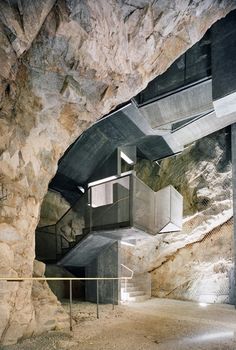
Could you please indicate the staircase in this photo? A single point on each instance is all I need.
(132, 292)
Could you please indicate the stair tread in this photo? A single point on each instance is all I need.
(138, 298)
(136, 293)
(130, 289)
(133, 291)
(130, 284)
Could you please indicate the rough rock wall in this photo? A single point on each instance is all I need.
(59, 225)
(45, 310)
(49, 314)
(69, 221)
(199, 271)
(52, 209)
(63, 64)
(196, 263)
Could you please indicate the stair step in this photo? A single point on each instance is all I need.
(138, 298)
(136, 293)
(129, 282)
(130, 289)
(128, 285)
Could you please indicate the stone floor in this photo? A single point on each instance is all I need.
(158, 324)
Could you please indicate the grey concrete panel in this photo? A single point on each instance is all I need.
(107, 167)
(192, 101)
(226, 105)
(154, 147)
(198, 129)
(86, 251)
(107, 264)
(143, 206)
(134, 114)
(127, 234)
(168, 210)
(223, 55)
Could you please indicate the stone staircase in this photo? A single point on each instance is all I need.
(132, 292)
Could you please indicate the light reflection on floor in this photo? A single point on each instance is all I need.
(203, 304)
(209, 337)
(204, 339)
(212, 326)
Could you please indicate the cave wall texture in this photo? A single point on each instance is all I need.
(64, 64)
(53, 207)
(196, 263)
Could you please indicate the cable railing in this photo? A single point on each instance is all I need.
(71, 279)
(127, 268)
(132, 274)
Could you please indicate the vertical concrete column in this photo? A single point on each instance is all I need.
(233, 150)
(223, 36)
(107, 264)
(223, 51)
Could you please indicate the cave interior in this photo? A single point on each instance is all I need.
(109, 206)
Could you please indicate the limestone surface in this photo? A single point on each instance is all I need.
(196, 263)
(54, 206)
(64, 64)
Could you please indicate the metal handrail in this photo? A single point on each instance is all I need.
(132, 273)
(21, 279)
(127, 268)
(70, 279)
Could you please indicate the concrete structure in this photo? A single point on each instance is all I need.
(128, 202)
(106, 264)
(136, 290)
(169, 210)
(233, 147)
(123, 209)
(188, 102)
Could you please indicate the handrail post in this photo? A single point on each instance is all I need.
(131, 200)
(71, 305)
(90, 209)
(113, 295)
(97, 299)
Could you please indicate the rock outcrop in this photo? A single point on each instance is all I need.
(201, 271)
(43, 313)
(196, 263)
(63, 65)
(54, 206)
(49, 314)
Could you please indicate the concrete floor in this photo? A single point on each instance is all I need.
(158, 324)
